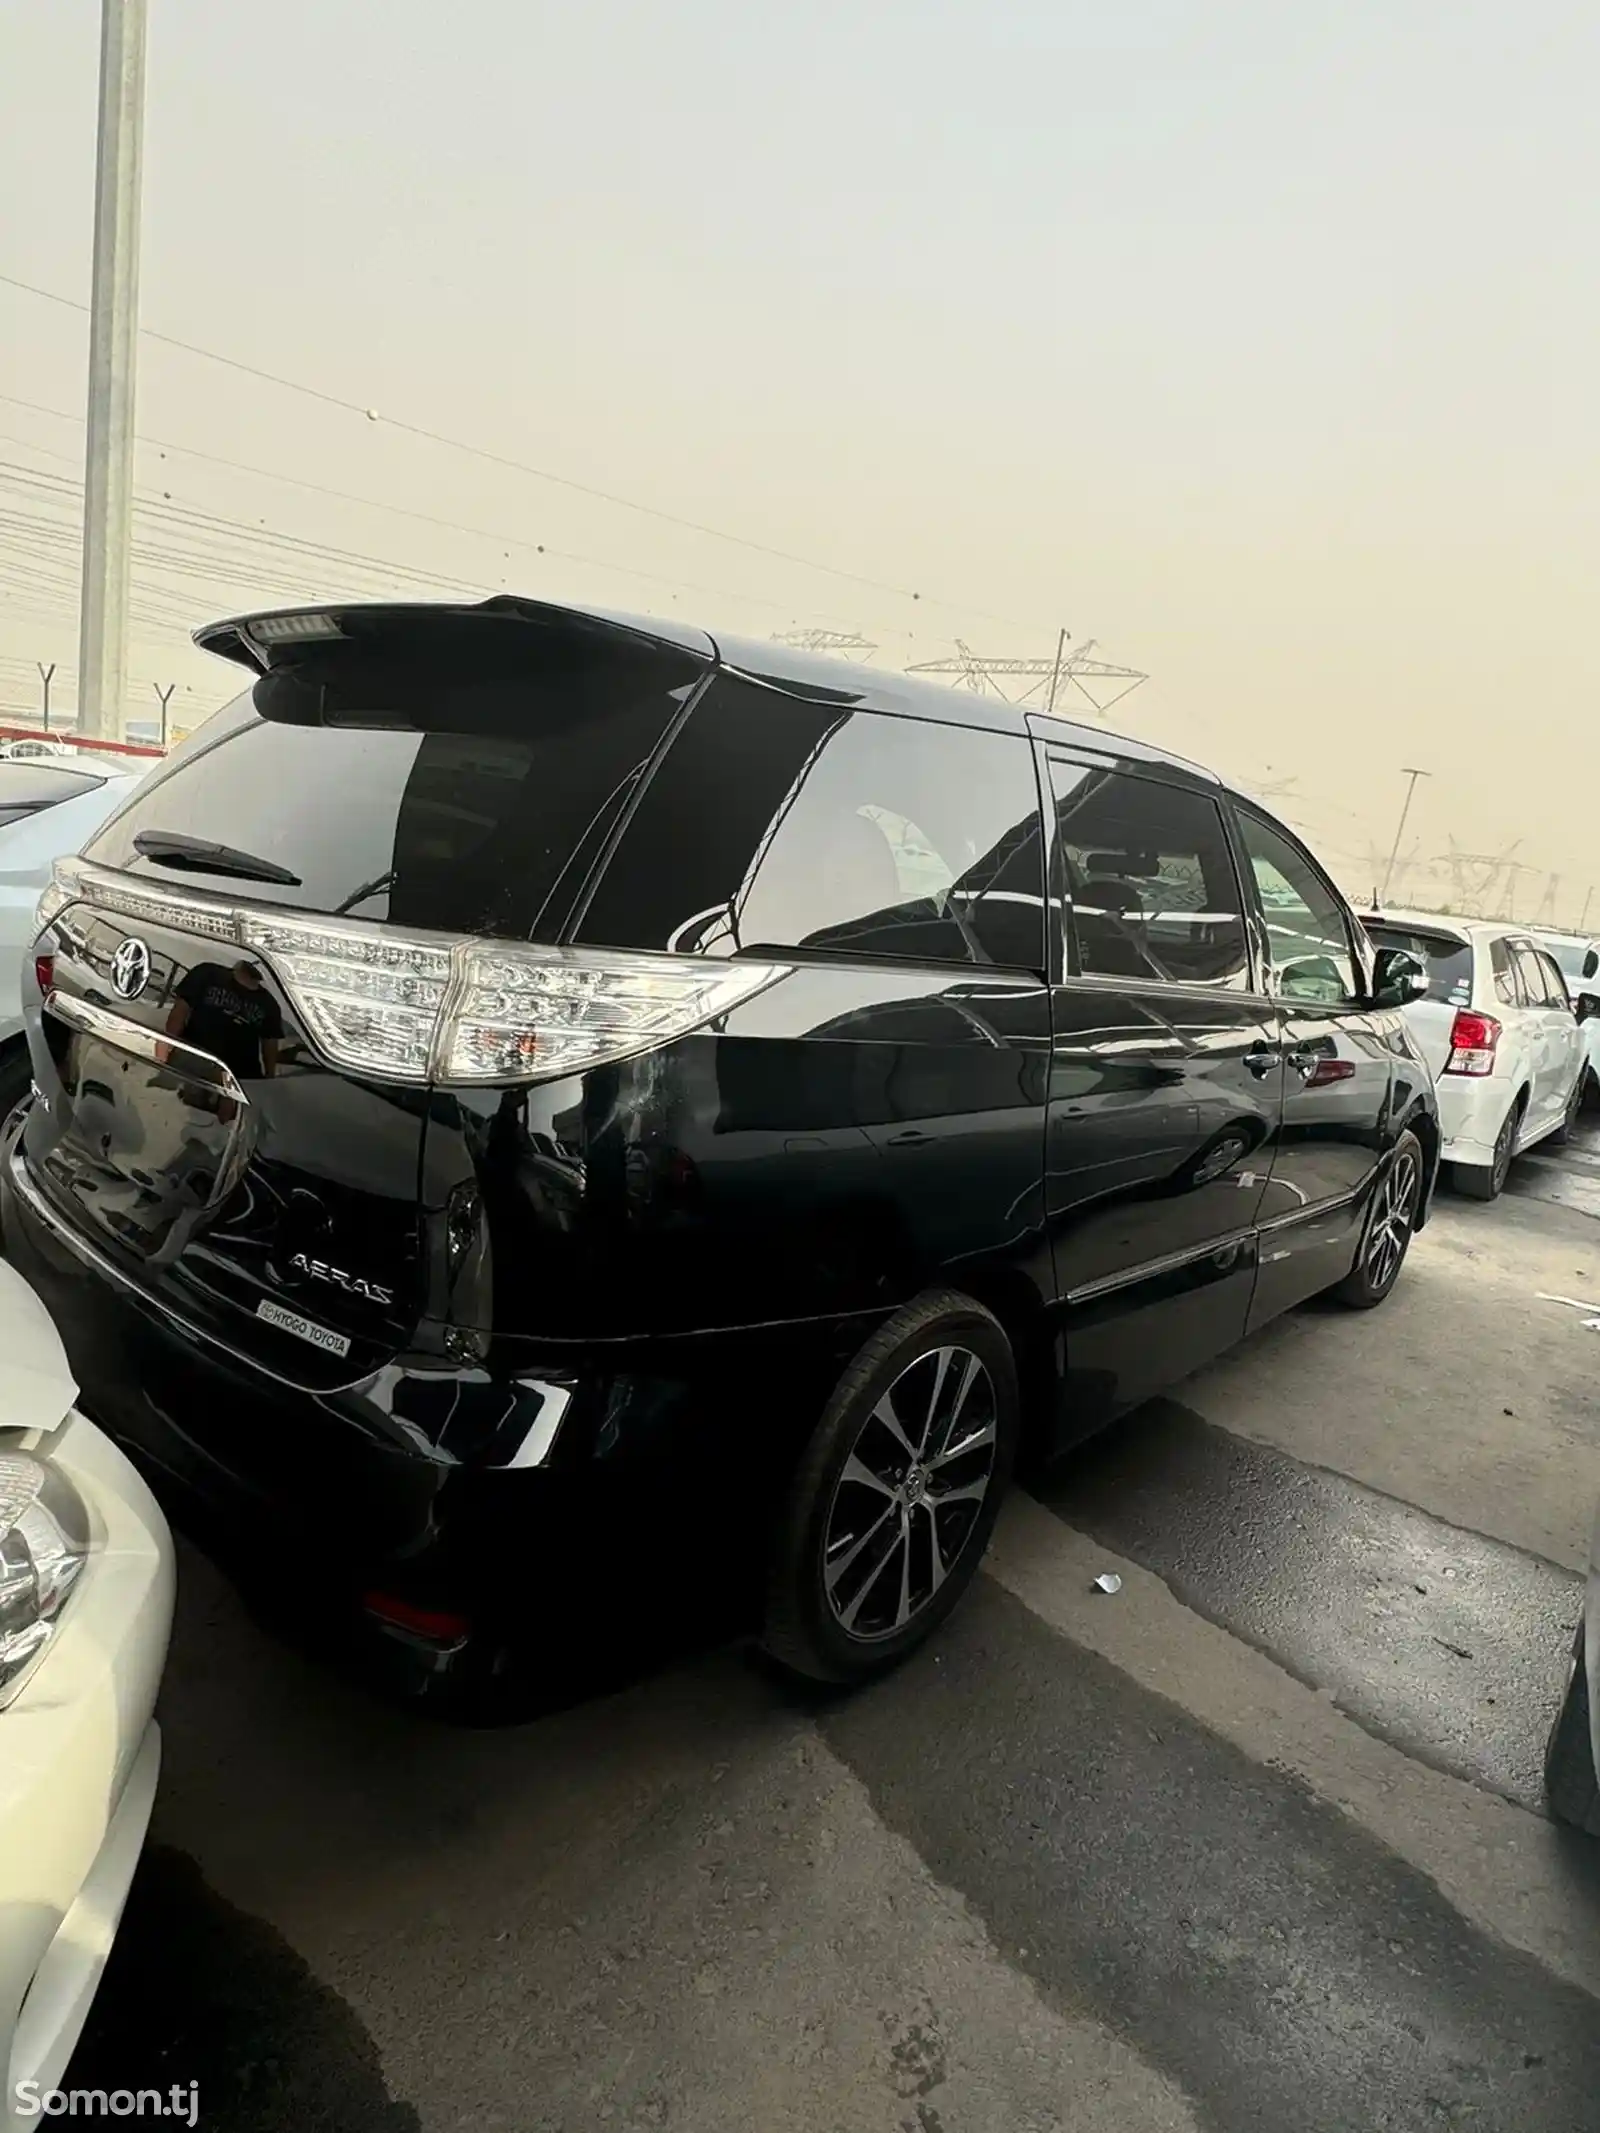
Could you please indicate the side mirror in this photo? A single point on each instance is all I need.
(1588, 1006)
(1397, 978)
(1591, 963)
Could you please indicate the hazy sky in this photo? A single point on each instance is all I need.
(1257, 341)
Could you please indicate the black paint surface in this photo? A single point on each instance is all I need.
(1451, 1646)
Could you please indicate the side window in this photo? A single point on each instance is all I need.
(777, 822)
(1152, 889)
(1555, 985)
(1507, 985)
(1308, 937)
(1535, 983)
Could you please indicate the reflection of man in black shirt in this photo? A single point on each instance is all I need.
(231, 1015)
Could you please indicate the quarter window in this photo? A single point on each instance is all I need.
(1507, 985)
(1537, 979)
(779, 822)
(1308, 937)
(1152, 889)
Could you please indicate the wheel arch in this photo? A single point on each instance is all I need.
(1016, 1303)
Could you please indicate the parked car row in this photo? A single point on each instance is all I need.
(1507, 1042)
(521, 1088)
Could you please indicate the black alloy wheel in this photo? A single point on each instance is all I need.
(1569, 1118)
(1391, 1222)
(896, 1494)
(1480, 1183)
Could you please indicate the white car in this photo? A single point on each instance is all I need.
(47, 809)
(1578, 955)
(86, 1585)
(1498, 1028)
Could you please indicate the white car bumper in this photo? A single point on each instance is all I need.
(79, 1755)
(1472, 1109)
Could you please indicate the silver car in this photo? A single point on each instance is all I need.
(1572, 1759)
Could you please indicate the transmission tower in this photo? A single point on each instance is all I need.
(1481, 881)
(845, 643)
(1056, 675)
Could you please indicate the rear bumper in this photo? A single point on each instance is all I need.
(540, 1489)
(81, 1761)
(1471, 1113)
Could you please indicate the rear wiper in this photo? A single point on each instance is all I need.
(169, 849)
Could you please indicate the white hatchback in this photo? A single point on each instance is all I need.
(86, 1586)
(1498, 1029)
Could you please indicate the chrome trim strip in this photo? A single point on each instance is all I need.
(1310, 1214)
(1169, 1263)
(143, 1043)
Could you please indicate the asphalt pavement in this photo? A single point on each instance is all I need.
(1255, 1845)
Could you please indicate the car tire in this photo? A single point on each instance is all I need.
(1569, 1118)
(875, 1543)
(1487, 1181)
(1571, 1783)
(1387, 1232)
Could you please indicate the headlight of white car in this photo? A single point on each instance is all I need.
(44, 1540)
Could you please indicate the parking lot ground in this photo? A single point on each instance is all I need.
(1253, 1845)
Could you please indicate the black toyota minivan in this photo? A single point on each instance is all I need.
(533, 1106)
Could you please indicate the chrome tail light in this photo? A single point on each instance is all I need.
(429, 1008)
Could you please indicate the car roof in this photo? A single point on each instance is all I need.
(1447, 926)
(817, 675)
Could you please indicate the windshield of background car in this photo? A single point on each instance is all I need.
(1447, 961)
(28, 787)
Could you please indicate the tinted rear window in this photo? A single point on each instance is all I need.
(1447, 962)
(780, 822)
(466, 789)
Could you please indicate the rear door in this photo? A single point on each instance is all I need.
(1563, 1034)
(1547, 1037)
(1340, 1059)
(1165, 1083)
(448, 781)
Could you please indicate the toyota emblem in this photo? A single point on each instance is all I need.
(130, 968)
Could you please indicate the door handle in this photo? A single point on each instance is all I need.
(1305, 1063)
(1262, 1061)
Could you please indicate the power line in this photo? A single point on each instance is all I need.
(518, 466)
(505, 541)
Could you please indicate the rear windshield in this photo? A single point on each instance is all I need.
(1447, 962)
(461, 786)
(27, 787)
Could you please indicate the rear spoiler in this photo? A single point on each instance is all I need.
(257, 640)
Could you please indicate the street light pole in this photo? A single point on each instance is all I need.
(45, 675)
(166, 697)
(113, 341)
(1400, 830)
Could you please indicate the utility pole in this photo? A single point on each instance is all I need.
(1400, 830)
(166, 698)
(1055, 671)
(45, 673)
(113, 344)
